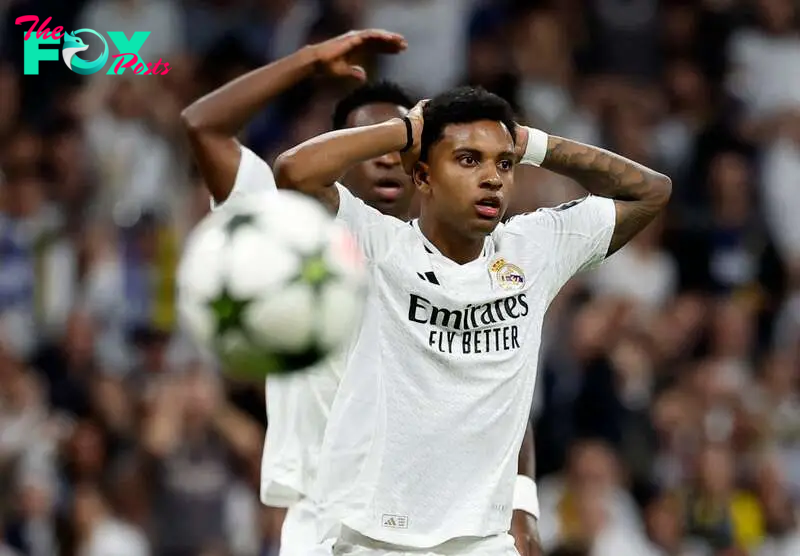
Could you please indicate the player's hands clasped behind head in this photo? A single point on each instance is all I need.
(411, 156)
(342, 56)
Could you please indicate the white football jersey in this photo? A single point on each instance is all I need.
(297, 404)
(425, 431)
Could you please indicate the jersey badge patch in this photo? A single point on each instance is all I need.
(508, 276)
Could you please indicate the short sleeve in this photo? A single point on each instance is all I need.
(254, 176)
(576, 234)
(373, 230)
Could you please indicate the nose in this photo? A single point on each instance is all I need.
(388, 161)
(492, 183)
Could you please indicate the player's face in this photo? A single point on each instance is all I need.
(469, 176)
(380, 182)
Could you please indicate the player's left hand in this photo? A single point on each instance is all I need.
(526, 534)
(521, 141)
(342, 56)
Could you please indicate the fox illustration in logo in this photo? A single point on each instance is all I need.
(74, 44)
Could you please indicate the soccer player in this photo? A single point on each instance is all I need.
(440, 379)
(383, 185)
(298, 404)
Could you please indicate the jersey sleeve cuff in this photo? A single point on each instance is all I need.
(526, 496)
(346, 202)
(253, 176)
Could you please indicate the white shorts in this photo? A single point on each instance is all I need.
(351, 543)
(300, 535)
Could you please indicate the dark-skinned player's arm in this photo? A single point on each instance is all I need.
(524, 523)
(314, 166)
(639, 193)
(214, 121)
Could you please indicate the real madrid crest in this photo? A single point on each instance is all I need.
(506, 275)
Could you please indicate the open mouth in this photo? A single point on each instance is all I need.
(389, 189)
(488, 207)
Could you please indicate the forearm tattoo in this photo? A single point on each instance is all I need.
(640, 193)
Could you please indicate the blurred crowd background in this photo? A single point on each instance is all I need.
(667, 414)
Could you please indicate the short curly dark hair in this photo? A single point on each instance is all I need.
(462, 105)
(378, 92)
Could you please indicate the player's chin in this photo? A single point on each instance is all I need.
(390, 207)
(386, 206)
(485, 225)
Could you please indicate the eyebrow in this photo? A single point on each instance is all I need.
(479, 154)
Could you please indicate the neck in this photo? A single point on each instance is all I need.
(451, 244)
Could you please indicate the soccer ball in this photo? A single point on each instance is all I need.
(270, 284)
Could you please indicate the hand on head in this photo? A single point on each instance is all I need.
(411, 156)
(520, 141)
(342, 56)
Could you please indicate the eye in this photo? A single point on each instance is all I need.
(468, 160)
(506, 165)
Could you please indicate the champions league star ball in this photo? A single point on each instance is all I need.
(271, 284)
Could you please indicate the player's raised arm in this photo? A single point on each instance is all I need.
(639, 193)
(213, 121)
(314, 166)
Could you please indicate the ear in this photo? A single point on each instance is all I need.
(421, 177)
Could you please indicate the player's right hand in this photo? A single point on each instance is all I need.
(342, 56)
(411, 156)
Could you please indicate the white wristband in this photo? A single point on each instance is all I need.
(526, 496)
(536, 149)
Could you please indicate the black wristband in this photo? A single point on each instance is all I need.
(409, 135)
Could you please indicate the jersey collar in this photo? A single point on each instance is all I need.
(431, 249)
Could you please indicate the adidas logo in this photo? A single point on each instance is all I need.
(392, 521)
(429, 277)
